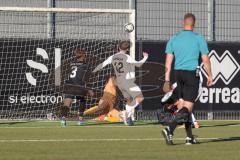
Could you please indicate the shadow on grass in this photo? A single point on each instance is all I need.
(220, 125)
(147, 123)
(14, 122)
(116, 124)
(99, 124)
(229, 139)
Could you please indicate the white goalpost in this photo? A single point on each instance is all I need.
(36, 46)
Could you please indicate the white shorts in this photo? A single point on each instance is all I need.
(129, 89)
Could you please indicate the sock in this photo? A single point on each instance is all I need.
(133, 115)
(130, 109)
(193, 118)
(81, 110)
(64, 111)
(91, 110)
(173, 125)
(188, 125)
(188, 128)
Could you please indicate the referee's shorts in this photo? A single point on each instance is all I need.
(187, 85)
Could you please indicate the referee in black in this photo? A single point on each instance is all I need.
(185, 47)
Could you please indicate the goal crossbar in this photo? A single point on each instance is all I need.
(66, 10)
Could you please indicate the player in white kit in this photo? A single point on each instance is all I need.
(124, 67)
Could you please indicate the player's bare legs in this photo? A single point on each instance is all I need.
(139, 99)
(188, 105)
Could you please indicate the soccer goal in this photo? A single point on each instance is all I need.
(36, 44)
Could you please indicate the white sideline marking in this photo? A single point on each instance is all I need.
(72, 126)
(104, 126)
(97, 140)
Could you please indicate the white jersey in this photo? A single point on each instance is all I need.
(123, 64)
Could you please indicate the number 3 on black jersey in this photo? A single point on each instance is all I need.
(74, 72)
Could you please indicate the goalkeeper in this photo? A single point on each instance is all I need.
(108, 100)
(77, 68)
(124, 67)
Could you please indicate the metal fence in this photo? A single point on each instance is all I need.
(159, 19)
(217, 20)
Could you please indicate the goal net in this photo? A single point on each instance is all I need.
(37, 43)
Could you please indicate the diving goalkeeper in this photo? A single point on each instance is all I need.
(108, 100)
(124, 67)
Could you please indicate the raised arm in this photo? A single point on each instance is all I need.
(138, 63)
(103, 64)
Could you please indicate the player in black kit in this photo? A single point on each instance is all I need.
(78, 69)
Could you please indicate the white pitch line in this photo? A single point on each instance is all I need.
(77, 140)
(149, 126)
(103, 126)
(97, 140)
(28, 127)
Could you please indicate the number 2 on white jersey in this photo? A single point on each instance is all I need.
(119, 67)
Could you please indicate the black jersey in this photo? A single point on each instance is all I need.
(76, 76)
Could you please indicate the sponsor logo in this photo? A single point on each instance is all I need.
(43, 68)
(224, 67)
(220, 95)
(42, 98)
(30, 99)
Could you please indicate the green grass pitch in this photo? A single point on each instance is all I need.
(219, 140)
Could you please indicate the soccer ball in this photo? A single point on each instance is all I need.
(128, 27)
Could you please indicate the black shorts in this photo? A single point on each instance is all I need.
(187, 85)
(79, 98)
